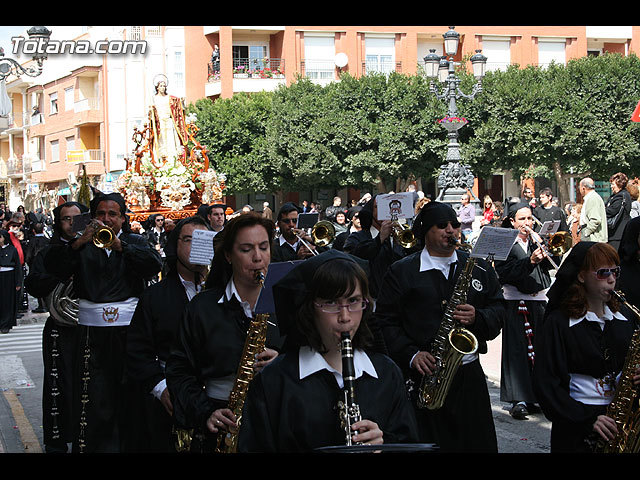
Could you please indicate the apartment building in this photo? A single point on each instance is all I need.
(83, 108)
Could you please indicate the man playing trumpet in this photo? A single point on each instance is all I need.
(108, 282)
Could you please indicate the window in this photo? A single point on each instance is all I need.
(319, 53)
(55, 151)
(178, 71)
(380, 55)
(498, 53)
(551, 51)
(53, 103)
(68, 98)
(248, 57)
(71, 143)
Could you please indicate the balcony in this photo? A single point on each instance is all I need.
(249, 68)
(318, 69)
(381, 66)
(87, 112)
(82, 156)
(15, 167)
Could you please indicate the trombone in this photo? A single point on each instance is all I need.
(322, 234)
(559, 244)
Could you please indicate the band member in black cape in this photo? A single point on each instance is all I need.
(203, 363)
(411, 304)
(581, 348)
(629, 252)
(525, 278)
(151, 333)
(59, 338)
(291, 405)
(11, 278)
(108, 283)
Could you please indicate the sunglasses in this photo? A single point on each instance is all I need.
(443, 225)
(603, 273)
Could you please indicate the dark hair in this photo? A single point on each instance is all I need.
(287, 208)
(620, 179)
(575, 300)
(221, 270)
(546, 191)
(171, 247)
(334, 279)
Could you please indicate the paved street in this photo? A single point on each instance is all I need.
(21, 384)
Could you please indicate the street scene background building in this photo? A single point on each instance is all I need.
(82, 109)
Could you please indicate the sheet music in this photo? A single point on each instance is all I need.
(494, 242)
(549, 227)
(201, 247)
(398, 205)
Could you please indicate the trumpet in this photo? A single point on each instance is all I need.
(403, 235)
(103, 237)
(560, 243)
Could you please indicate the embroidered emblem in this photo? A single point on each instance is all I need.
(110, 314)
(477, 284)
(606, 386)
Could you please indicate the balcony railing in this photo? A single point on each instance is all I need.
(382, 66)
(86, 104)
(249, 68)
(318, 69)
(77, 156)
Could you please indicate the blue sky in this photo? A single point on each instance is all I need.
(6, 32)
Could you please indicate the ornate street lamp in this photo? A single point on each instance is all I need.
(9, 66)
(455, 178)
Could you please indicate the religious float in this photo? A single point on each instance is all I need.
(168, 171)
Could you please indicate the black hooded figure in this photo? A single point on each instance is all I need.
(10, 277)
(411, 305)
(108, 283)
(291, 404)
(629, 252)
(58, 340)
(580, 351)
(525, 277)
(152, 330)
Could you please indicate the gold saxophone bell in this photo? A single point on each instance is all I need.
(403, 234)
(323, 233)
(103, 237)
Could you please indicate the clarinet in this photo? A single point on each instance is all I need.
(348, 409)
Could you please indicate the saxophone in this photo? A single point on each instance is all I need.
(452, 341)
(227, 441)
(348, 409)
(624, 406)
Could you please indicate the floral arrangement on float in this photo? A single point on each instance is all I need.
(179, 185)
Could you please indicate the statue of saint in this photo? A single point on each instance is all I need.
(168, 125)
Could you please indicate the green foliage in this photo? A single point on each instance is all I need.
(360, 131)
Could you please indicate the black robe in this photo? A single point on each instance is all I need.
(58, 357)
(209, 345)
(287, 415)
(409, 310)
(101, 278)
(9, 280)
(516, 365)
(563, 350)
(380, 255)
(153, 329)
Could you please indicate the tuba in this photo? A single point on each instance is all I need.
(227, 442)
(624, 408)
(103, 237)
(323, 233)
(63, 305)
(451, 343)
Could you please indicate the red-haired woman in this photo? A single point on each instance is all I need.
(581, 348)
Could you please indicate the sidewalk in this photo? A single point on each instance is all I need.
(490, 361)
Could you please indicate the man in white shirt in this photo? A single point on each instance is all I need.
(593, 217)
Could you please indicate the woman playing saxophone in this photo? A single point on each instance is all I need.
(203, 366)
(581, 348)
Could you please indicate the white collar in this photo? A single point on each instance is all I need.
(284, 240)
(190, 287)
(592, 317)
(230, 291)
(427, 262)
(310, 362)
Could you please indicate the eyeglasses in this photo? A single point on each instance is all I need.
(355, 306)
(603, 273)
(443, 225)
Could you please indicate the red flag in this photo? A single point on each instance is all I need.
(635, 116)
